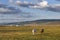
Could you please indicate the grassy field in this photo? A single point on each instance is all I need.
(24, 33)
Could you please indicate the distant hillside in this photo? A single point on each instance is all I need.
(45, 22)
(37, 22)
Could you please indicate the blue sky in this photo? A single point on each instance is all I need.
(50, 1)
(49, 11)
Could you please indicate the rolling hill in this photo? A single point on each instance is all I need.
(36, 22)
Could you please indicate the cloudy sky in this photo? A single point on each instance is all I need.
(28, 10)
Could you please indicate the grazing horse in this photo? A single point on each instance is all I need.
(33, 31)
(42, 31)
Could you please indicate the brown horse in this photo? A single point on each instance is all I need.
(42, 30)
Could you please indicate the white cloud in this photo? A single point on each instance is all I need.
(43, 4)
(4, 10)
(40, 5)
(10, 1)
(23, 4)
(18, 2)
(8, 9)
(26, 2)
(55, 8)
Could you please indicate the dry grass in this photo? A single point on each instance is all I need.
(24, 33)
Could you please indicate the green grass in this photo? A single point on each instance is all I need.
(24, 33)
